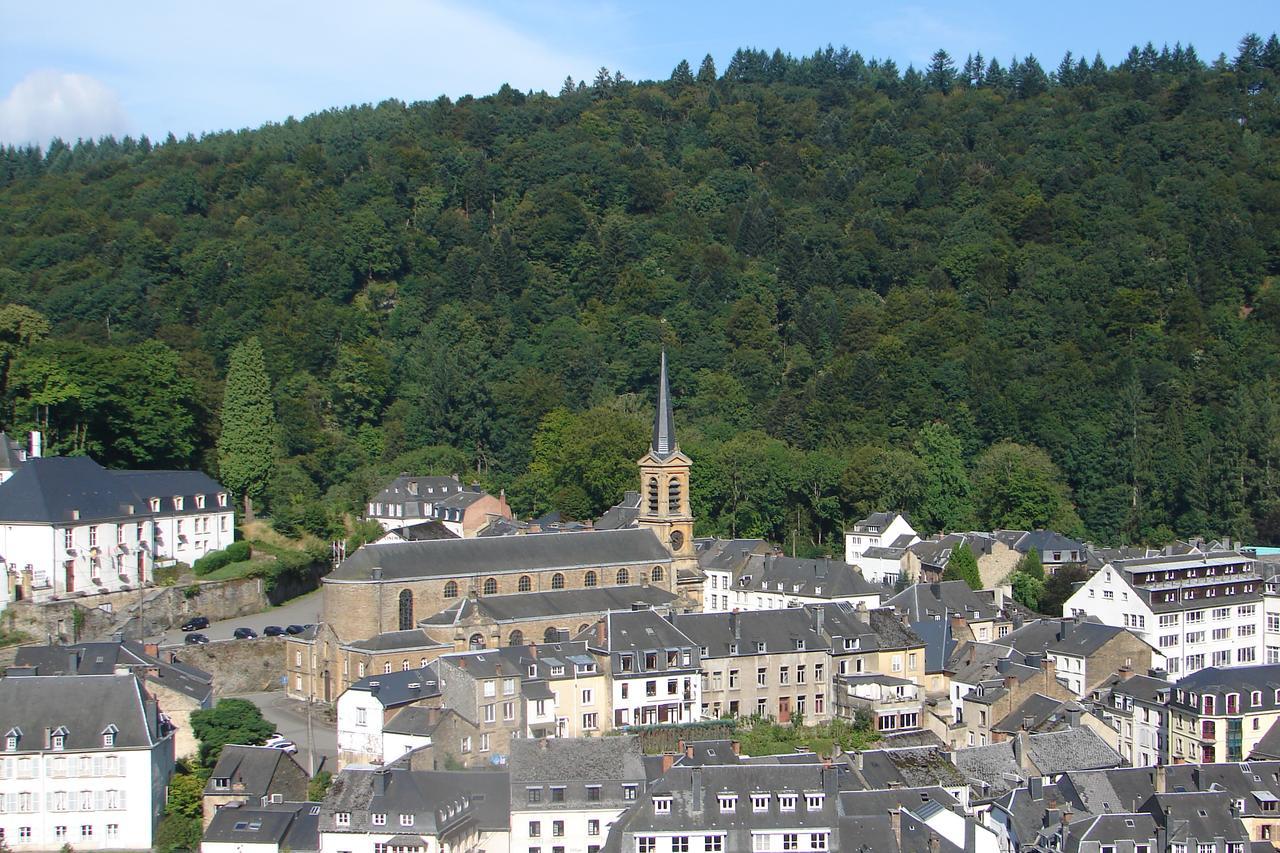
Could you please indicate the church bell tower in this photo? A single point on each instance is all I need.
(664, 482)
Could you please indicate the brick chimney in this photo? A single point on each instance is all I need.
(152, 649)
(895, 822)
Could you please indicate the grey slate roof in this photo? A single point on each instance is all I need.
(1037, 713)
(501, 554)
(909, 768)
(623, 514)
(390, 641)
(292, 826)
(439, 801)
(418, 721)
(542, 605)
(939, 642)
(1051, 753)
(598, 759)
(402, 687)
(103, 658)
(1234, 679)
(779, 630)
(1061, 636)
(83, 705)
(939, 600)
(50, 490)
(424, 531)
(728, 555)
(1268, 746)
(825, 578)
(638, 630)
(252, 767)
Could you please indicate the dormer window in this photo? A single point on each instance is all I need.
(342, 818)
(154, 504)
(177, 502)
(11, 738)
(406, 820)
(222, 499)
(813, 802)
(759, 802)
(799, 645)
(728, 803)
(662, 805)
(58, 742)
(199, 501)
(109, 736)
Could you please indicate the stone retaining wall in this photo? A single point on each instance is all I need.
(238, 666)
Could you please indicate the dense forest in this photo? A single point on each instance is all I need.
(987, 294)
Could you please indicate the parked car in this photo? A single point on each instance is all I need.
(245, 634)
(195, 639)
(287, 746)
(296, 629)
(275, 738)
(272, 631)
(195, 623)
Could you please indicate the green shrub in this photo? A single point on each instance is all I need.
(211, 562)
(238, 551)
(166, 576)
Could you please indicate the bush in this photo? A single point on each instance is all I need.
(211, 562)
(238, 551)
(166, 576)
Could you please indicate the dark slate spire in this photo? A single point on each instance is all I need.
(664, 423)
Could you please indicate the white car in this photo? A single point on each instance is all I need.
(287, 745)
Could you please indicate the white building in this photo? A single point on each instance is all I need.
(85, 762)
(566, 793)
(1196, 609)
(878, 530)
(366, 707)
(408, 499)
(654, 668)
(68, 525)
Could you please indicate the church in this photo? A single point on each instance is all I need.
(393, 605)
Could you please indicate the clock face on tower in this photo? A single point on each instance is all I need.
(677, 540)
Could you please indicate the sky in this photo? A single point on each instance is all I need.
(86, 69)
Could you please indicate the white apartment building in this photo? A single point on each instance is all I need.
(366, 707)
(1197, 609)
(69, 526)
(85, 762)
(653, 667)
(566, 793)
(878, 530)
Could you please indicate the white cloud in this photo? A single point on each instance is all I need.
(45, 104)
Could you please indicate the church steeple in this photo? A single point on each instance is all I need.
(664, 422)
(664, 481)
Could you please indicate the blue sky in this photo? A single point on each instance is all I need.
(89, 68)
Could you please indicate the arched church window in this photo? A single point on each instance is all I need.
(653, 495)
(624, 577)
(590, 579)
(656, 574)
(491, 586)
(525, 584)
(551, 635)
(557, 581)
(451, 589)
(673, 495)
(406, 610)
(516, 638)
(476, 641)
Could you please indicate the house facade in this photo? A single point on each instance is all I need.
(85, 762)
(878, 530)
(1198, 609)
(69, 526)
(654, 668)
(1220, 714)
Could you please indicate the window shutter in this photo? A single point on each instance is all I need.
(99, 800)
(52, 799)
(121, 804)
(97, 765)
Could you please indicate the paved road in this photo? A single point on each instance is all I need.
(290, 718)
(302, 610)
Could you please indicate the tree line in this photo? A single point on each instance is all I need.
(986, 293)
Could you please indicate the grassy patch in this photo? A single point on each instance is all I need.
(765, 737)
(231, 571)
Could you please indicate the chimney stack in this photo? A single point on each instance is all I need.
(895, 822)
(37, 441)
(1020, 744)
(695, 784)
(1160, 780)
(600, 633)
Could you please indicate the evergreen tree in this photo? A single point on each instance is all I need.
(707, 71)
(946, 504)
(567, 88)
(246, 445)
(963, 567)
(682, 75)
(942, 72)
(1031, 565)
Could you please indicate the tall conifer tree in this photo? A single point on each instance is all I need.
(246, 446)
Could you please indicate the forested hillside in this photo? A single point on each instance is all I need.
(988, 295)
